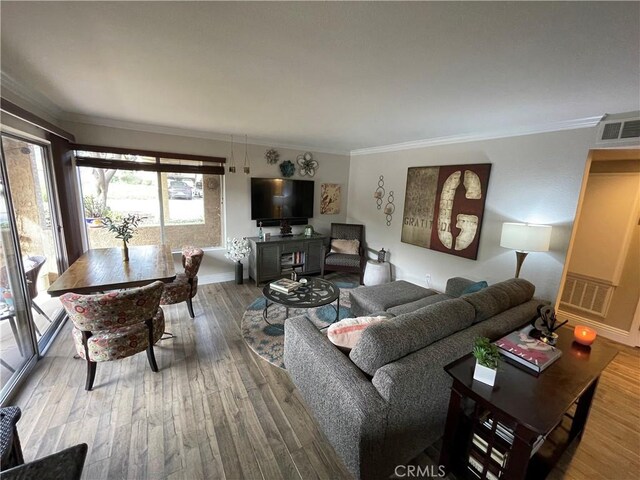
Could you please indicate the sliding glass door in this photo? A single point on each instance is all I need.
(32, 257)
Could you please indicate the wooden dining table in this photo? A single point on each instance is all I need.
(102, 269)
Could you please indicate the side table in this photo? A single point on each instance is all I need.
(377, 273)
(496, 431)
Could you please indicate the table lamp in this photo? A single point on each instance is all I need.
(525, 238)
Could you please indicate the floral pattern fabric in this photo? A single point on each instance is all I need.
(116, 321)
(191, 260)
(181, 289)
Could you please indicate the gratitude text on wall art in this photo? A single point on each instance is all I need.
(443, 208)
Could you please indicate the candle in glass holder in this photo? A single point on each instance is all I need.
(584, 335)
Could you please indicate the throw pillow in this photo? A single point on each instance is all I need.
(349, 247)
(346, 333)
(475, 287)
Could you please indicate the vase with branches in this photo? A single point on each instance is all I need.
(124, 228)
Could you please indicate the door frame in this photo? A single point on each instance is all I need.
(606, 154)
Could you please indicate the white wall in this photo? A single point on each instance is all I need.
(608, 219)
(534, 178)
(332, 169)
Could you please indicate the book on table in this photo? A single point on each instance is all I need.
(284, 285)
(530, 352)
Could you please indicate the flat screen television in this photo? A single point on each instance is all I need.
(275, 199)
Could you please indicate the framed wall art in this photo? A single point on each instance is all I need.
(444, 206)
(329, 198)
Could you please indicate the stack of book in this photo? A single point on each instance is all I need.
(284, 285)
(497, 454)
(530, 352)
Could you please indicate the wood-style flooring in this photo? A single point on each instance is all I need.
(216, 410)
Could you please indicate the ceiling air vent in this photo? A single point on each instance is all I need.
(619, 130)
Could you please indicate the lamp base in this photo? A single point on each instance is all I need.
(520, 256)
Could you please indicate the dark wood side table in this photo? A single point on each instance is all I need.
(555, 404)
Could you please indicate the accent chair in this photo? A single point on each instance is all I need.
(185, 285)
(115, 325)
(346, 252)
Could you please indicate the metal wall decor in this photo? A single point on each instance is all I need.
(272, 156)
(287, 168)
(307, 164)
(389, 208)
(379, 192)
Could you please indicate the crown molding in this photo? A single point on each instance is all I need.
(464, 138)
(185, 132)
(30, 99)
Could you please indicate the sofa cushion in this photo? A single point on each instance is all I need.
(423, 302)
(365, 300)
(386, 342)
(346, 333)
(499, 297)
(457, 285)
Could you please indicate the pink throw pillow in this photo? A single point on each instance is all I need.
(346, 333)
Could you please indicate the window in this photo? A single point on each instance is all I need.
(180, 199)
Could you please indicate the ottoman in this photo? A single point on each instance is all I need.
(378, 298)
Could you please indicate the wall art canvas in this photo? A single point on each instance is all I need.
(329, 198)
(444, 206)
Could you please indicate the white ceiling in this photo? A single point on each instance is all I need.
(335, 76)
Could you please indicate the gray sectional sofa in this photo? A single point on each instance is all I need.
(387, 401)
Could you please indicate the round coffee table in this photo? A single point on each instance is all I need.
(315, 293)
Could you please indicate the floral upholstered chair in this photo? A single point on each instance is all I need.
(115, 325)
(185, 285)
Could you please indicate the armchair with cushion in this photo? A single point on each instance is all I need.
(115, 325)
(346, 252)
(185, 285)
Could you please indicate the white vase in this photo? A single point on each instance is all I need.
(484, 374)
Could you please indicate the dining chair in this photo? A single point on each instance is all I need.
(115, 325)
(185, 285)
(346, 250)
(33, 265)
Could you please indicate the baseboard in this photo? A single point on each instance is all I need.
(607, 331)
(218, 278)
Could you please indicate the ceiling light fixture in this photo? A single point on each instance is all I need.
(247, 163)
(232, 161)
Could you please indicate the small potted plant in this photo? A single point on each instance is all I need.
(124, 229)
(487, 357)
(237, 249)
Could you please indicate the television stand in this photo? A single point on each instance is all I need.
(280, 255)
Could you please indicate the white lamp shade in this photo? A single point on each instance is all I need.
(525, 237)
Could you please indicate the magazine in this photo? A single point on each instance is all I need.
(530, 352)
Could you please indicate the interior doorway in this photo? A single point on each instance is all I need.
(601, 280)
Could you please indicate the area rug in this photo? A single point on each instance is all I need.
(267, 340)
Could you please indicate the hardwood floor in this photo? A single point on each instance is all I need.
(216, 410)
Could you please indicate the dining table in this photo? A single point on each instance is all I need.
(103, 269)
